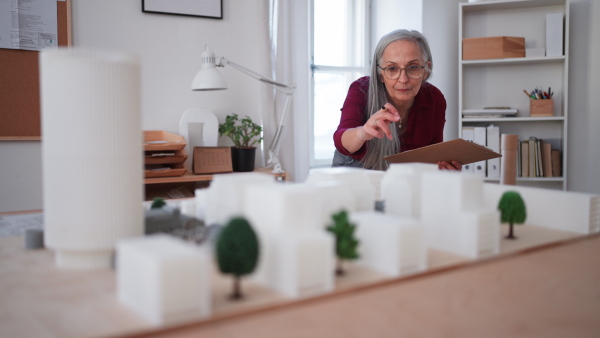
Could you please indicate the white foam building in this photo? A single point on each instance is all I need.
(164, 279)
(567, 211)
(225, 197)
(455, 217)
(361, 187)
(401, 188)
(297, 254)
(390, 244)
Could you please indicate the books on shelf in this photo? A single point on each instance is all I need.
(490, 112)
(539, 158)
(536, 157)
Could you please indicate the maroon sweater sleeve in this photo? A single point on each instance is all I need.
(353, 115)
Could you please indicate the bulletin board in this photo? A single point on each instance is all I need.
(20, 84)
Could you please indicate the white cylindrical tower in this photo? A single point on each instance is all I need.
(91, 153)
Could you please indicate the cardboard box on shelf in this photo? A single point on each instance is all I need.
(495, 47)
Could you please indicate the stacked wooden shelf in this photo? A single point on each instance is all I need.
(164, 154)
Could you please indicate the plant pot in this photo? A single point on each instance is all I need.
(242, 159)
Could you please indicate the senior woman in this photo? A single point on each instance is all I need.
(393, 110)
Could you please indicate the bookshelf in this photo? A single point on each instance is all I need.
(500, 82)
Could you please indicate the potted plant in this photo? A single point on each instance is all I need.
(244, 133)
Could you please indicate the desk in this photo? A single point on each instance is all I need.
(545, 284)
(164, 186)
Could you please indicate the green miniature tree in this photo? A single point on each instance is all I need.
(243, 134)
(157, 203)
(345, 242)
(237, 251)
(513, 210)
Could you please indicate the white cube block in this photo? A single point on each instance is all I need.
(281, 208)
(333, 197)
(225, 197)
(163, 279)
(390, 244)
(401, 188)
(451, 192)
(305, 264)
(375, 177)
(362, 189)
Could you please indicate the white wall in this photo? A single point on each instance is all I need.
(170, 47)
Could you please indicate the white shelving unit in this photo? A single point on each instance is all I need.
(500, 82)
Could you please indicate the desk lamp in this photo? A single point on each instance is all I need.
(208, 78)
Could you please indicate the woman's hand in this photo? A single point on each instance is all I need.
(378, 125)
(454, 165)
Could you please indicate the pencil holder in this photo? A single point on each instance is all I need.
(541, 108)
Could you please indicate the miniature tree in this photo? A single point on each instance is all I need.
(157, 203)
(237, 251)
(513, 210)
(345, 242)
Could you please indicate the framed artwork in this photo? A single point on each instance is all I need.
(202, 8)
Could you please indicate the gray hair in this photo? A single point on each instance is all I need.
(377, 148)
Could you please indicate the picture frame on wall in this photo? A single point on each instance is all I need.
(212, 9)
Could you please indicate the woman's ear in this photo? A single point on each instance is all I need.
(428, 71)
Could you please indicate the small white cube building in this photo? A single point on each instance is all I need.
(225, 196)
(355, 178)
(401, 188)
(164, 279)
(455, 217)
(390, 244)
(296, 252)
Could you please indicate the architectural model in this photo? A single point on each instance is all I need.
(91, 196)
(390, 244)
(296, 252)
(455, 217)
(164, 279)
(425, 208)
(401, 188)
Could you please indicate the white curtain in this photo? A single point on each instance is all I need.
(285, 27)
(278, 56)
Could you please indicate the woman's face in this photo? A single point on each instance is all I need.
(402, 54)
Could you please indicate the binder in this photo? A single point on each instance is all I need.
(525, 158)
(493, 142)
(554, 34)
(480, 138)
(468, 133)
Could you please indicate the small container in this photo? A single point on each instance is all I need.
(541, 108)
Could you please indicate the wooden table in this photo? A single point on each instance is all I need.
(188, 183)
(545, 284)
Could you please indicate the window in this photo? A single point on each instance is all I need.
(339, 56)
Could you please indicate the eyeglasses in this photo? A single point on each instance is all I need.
(412, 71)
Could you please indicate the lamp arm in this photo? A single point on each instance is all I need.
(288, 90)
(224, 61)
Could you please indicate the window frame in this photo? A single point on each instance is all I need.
(364, 69)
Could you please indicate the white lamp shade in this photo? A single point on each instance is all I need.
(209, 79)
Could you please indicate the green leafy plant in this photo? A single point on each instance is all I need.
(345, 243)
(157, 203)
(244, 133)
(237, 251)
(513, 210)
